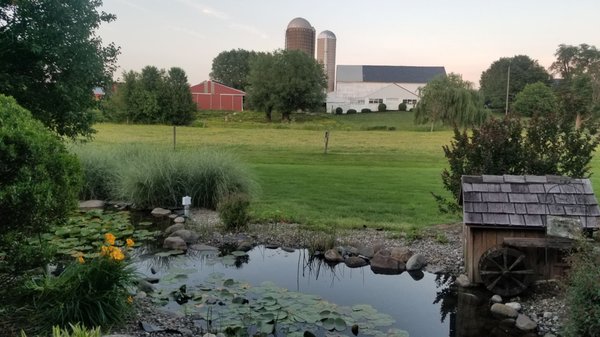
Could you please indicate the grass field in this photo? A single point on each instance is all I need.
(381, 179)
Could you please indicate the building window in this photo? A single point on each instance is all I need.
(409, 101)
(375, 100)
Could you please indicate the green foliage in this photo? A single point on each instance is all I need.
(152, 96)
(402, 107)
(52, 59)
(583, 293)
(382, 107)
(94, 293)
(232, 68)
(365, 110)
(339, 110)
(77, 330)
(99, 173)
(450, 100)
(39, 179)
(233, 210)
(546, 145)
(286, 81)
(536, 99)
(22, 255)
(523, 71)
(351, 111)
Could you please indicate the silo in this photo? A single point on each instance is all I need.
(326, 56)
(300, 35)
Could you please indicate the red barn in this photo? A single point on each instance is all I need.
(211, 95)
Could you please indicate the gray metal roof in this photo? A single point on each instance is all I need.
(388, 74)
(526, 201)
(300, 23)
(326, 34)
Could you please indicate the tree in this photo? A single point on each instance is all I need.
(232, 68)
(536, 99)
(51, 59)
(523, 71)
(579, 88)
(286, 81)
(181, 107)
(450, 100)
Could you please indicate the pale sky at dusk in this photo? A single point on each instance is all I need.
(464, 36)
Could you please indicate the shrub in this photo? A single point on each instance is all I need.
(381, 107)
(583, 293)
(39, 179)
(402, 107)
(351, 111)
(94, 292)
(536, 99)
(339, 110)
(233, 210)
(365, 110)
(99, 169)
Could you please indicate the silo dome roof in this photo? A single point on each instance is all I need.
(327, 34)
(299, 23)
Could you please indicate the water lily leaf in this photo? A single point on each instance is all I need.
(328, 324)
(340, 324)
(170, 253)
(238, 253)
(229, 282)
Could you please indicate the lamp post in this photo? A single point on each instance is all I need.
(186, 201)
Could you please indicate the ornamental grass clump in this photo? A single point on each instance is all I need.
(93, 292)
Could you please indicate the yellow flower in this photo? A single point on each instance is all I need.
(80, 259)
(116, 254)
(110, 239)
(129, 242)
(105, 250)
(129, 299)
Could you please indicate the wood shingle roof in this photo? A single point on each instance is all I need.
(526, 201)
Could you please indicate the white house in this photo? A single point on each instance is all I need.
(365, 86)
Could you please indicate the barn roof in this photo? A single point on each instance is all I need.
(527, 201)
(388, 74)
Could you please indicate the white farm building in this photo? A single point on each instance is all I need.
(365, 86)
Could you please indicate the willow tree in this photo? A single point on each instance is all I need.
(451, 101)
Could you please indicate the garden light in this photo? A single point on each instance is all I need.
(186, 201)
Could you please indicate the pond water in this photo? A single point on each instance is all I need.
(423, 304)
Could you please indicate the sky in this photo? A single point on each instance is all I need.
(464, 36)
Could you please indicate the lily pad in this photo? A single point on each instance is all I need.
(170, 253)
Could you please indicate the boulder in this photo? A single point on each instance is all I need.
(496, 299)
(174, 228)
(384, 263)
(515, 305)
(145, 286)
(416, 275)
(187, 235)
(288, 249)
(332, 255)
(524, 323)
(245, 246)
(179, 219)
(160, 212)
(463, 281)
(355, 262)
(401, 254)
(175, 243)
(501, 310)
(416, 262)
(91, 204)
(367, 252)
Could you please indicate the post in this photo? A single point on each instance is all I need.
(507, 86)
(326, 140)
(174, 137)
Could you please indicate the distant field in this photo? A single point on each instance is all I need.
(381, 179)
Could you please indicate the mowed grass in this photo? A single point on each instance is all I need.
(378, 179)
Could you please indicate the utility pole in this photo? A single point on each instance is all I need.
(507, 86)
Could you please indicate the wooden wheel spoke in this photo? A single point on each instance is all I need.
(521, 284)
(522, 272)
(519, 259)
(494, 262)
(490, 272)
(505, 258)
(504, 271)
(492, 285)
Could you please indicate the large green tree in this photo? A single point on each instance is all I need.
(180, 106)
(451, 101)
(51, 59)
(536, 99)
(579, 87)
(523, 71)
(232, 68)
(286, 81)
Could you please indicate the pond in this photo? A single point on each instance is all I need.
(422, 304)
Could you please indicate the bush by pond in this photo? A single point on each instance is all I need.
(151, 177)
(233, 211)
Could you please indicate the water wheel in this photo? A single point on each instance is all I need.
(504, 271)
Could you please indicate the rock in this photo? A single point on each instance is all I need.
(175, 243)
(160, 212)
(185, 332)
(174, 228)
(463, 281)
(91, 204)
(416, 262)
(332, 255)
(179, 219)
(469, 298)
(288, 249)
(515, 305)
(508, 322)
(271, 246)
(549, 335)
(245, 246)
(434, 269)
(173, 216)
(204, 248)
(367, 252)
(496, 299)
(501, 310)
(355, 262)
(141, 294)
(547, 314)
(402, 254)
(187, 235)
(416, 275)
(145, 286)
(525, 323)
(383, 263)
(152, 280)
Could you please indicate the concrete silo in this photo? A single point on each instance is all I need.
(326, 56)
(300, 35)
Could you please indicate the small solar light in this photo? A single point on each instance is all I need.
(186, 201)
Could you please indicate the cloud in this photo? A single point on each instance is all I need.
(249, 29)
(187, 31)
(214, 13)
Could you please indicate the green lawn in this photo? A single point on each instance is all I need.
(373, 178)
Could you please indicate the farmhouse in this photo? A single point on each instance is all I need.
(365, 86)
(211, 95)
